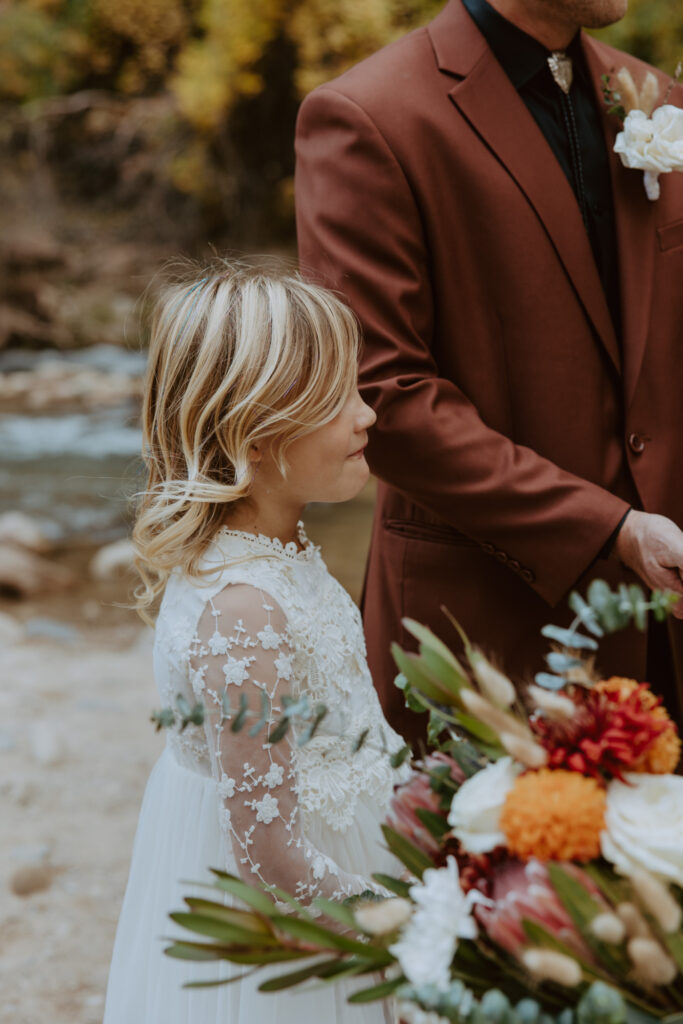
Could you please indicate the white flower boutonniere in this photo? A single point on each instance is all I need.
(652, 137)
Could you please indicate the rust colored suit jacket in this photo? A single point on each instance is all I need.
(514, 428)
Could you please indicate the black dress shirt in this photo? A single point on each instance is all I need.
(524, 60)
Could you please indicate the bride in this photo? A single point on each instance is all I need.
(251, 411)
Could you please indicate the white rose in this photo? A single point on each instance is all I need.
(652, 144)
(644, 825)
(476, 807)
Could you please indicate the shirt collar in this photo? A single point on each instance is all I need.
(520, 55)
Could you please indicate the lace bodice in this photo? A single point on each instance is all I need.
(269, 621)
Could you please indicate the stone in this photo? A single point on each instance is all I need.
(31, 878)
(18, 528)
(113, 561)
(24, 574)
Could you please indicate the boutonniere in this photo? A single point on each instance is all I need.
(652, 135)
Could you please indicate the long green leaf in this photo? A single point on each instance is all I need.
(540, 936)
(284, 981)
(193, 951)
(225, 932)
(265, 956)
(336, 911)
(315, 934)
(415, 860)
(476, 728)
(381, 991)
(217, 982)
(420, 678)
(435, 824)
(253, 897)
(431, 642)
(395, 885)
(232, 915)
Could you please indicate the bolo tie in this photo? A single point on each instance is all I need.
(561, 69)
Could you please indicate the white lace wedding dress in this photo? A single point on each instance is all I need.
(267, 622)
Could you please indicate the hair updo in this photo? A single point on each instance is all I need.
(238, 355)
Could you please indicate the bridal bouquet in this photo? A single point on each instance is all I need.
(542, 840)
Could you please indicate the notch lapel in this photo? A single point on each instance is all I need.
(636, 234)
(487, 99)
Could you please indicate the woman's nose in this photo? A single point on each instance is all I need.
(368, 417)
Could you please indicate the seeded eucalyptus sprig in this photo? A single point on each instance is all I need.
(603, 611)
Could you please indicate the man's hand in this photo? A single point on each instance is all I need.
(652, 546)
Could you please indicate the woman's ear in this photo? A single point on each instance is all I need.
(255, 453)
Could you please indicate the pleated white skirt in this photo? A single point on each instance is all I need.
(178, 839)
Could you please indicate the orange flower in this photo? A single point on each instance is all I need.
(554, 815)
(664, 753)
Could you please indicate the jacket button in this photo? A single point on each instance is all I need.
(514, 564)
(501, 556)
(527, 575)
(636, 443)
(488, 548)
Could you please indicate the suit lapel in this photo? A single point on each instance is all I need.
(636, 235)
(488, 100)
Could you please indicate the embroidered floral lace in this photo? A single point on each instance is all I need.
(272, 622)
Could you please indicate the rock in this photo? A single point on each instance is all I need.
(114, 561)
(47, 743)
(53, 630)
(23, 573)
(11, 631)
(18, 528)
(31, 878)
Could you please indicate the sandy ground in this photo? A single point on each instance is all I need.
(76, 747)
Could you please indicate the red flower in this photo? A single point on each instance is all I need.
(608, 734)
(418, 794)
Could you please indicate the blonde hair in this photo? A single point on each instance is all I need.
(238, 355)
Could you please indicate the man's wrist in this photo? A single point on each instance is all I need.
(608, 547)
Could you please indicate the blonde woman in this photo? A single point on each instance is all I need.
(251, 411)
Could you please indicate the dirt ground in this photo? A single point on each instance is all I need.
(76, 747)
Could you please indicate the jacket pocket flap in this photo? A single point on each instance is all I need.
(671, 236)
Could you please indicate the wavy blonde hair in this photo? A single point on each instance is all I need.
(239, 354)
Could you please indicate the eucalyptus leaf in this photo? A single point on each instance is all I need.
(585, 614)
(400, 756)
(549, 682)
(570, 638)
(358, 743)
(240, 718)
(559, 662)
(280, 731)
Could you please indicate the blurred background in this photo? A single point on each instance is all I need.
(130, 131)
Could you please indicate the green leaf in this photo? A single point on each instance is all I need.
(315, 934)
(435, 824)
(395, 885)
(280, 731)
(217, 981)
(420, 678)
(478, 729)
(381, 991)
(164, 718)
(358, 743)
(263, 719)
(336, 911)
(540, 936)
(570, 638)
(253, 897)
(674, 943)
(607, 606)
(585, 614)
(231, 915)
(320, 713)
(238, 721)
(284, 981)
(413, 859)
(559, 662)
(582, 907)
(549, 682)
(263, 957)
(224, 931)
(431, 642)
(193, 951)
(400, 756)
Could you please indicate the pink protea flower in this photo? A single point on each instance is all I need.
(524, 890)
(417, 793)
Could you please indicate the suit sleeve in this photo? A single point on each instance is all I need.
(360, 233)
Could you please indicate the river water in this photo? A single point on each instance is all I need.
(73, 471)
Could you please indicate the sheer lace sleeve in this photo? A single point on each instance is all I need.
(243, 646)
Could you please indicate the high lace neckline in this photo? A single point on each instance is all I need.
(273, 545)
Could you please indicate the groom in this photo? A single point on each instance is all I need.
(522, 307)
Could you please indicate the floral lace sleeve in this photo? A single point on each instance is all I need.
(243, 647)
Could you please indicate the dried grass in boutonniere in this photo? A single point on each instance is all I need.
(652, 136)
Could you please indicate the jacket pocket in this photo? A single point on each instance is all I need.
(433, 532)
(671, 236)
